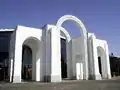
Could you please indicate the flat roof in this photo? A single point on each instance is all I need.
(2, 30)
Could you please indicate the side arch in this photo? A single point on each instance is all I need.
(101, 61)
(34, 43)
(31, 41)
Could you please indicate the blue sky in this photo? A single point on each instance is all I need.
(99, 16)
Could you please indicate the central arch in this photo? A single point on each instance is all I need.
(83, 36)
(74, 19)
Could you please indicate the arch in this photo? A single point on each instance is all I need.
(101, 60)
(30, 41)
(65, 32)
(83, 39)
(34, 44)
(26, 63)
(77, 21)
(100, 51)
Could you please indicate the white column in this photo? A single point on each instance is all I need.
(79, 71)
(90, 59)
(85, 58)
(55, 55)
(39, 66)
(69, 60)
(17, 61)
(36, 64)
(33, 65)
(107, 61)
(48, 55)
(103, 64)
(11, 55)
(96, 75)
(10, 69)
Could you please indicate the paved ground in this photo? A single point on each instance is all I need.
(113, 84)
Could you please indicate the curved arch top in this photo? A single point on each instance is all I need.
(100, 50)
(77, 21)
(31, 38)
(67, 35)
(32, 42)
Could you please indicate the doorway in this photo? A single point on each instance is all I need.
(26, 63)
(63, 59)
(99, 64)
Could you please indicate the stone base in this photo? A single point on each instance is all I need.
(55, 78)
(16, 79)
(108, 76)
(85, 77)
(73, 78)
(70, 77)
(95, 77)
(47, 78)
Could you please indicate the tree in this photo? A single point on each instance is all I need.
(111, 54)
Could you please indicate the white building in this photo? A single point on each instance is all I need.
(84, 57)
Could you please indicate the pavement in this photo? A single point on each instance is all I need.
(113, 84)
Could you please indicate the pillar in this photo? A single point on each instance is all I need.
(36, 75)
(79, 70)
(85, 57)
(55, 55)
(17, 61)
(107, 61)
(69, 60)
(96, 74)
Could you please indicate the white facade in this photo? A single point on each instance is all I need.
(82, 53)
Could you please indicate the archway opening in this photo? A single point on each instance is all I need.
(82, 34)
(99, 63)
(30, 60)
(26, 63)
(63, 59)
(70, 26)
(66, 62)
(65, 52)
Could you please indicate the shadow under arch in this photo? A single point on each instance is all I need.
(31, 46)
(66, 63)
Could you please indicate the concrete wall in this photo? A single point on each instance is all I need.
(78, 54)
(23, 34)
(47, 54)
(102, 51)
(97, 48)
(53, 53)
